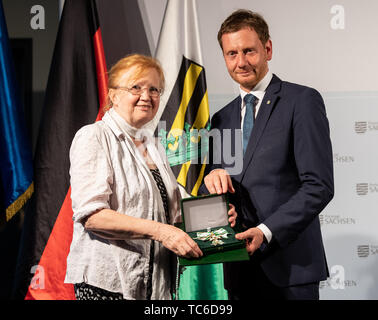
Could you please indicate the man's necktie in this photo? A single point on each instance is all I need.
(249, 100)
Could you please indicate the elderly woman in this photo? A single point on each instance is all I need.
(124, 195)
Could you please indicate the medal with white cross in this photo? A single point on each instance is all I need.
(214, 236)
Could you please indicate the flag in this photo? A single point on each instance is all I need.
(16, 156)
(75, 93)
(183, 115)
(16, 166)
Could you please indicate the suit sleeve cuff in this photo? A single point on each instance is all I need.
(265, 230)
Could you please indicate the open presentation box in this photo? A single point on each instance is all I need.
(205, 219)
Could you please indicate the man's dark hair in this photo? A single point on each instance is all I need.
(241, 19)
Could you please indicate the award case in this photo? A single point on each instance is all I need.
(206, 216)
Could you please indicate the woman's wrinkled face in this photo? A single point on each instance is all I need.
(137, 108)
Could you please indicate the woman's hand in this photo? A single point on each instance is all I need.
(178, 241)
(232, 215)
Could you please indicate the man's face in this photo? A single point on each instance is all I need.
(246, 57)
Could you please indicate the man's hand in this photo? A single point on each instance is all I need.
(254, 238)
(219, 181)
(232, 215)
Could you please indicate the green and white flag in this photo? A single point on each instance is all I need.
(184, 119)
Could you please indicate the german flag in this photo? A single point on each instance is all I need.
(75, 94)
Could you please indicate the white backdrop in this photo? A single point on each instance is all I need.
(331, 46)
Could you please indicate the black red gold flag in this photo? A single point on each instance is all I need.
(75, 93)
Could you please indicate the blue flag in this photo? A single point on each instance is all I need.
(16, 166)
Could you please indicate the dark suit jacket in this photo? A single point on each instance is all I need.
(285, 182)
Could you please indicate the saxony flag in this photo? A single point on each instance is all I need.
(184, 120)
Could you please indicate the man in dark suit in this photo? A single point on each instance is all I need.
(287, 175)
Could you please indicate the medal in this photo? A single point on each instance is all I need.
(214, 236)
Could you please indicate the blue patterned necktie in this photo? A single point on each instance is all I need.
(249, 100)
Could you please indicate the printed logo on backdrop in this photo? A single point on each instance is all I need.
(337, 280)
(338, 158)
(326, 219)
(363, 189)
(365, 250)
(361, 127)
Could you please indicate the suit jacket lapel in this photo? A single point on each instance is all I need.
(235, 122)
(266, 108)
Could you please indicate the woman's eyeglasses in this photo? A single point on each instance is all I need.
(138, 91)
